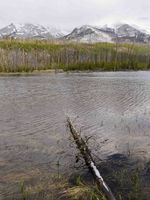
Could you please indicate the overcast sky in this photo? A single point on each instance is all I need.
(67, 14)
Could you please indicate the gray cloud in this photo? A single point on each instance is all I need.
(69, 13)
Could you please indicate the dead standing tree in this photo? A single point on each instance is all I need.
(86, 154)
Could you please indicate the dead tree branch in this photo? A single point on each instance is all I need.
(86, 154)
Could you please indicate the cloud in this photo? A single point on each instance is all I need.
(70, 13)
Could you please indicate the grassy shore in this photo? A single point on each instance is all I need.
(31, 73)
(30, 56)
(129, 180)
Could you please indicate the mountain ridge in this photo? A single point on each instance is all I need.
(86, 33)
(28, 30)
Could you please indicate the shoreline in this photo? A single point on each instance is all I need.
(33, 73)
(126, 177)
(45, 72)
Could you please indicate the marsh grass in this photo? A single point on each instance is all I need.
(124, 177)
(30, 55)
(60, 188)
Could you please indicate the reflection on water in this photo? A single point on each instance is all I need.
(114, 106)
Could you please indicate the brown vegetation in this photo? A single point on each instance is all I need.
(28, 55)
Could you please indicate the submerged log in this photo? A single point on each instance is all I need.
(87, 156)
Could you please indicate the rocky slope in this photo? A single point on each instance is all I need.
(29, 31)
(127, 33)
(121, 33)
(91, 34)
(86, 33)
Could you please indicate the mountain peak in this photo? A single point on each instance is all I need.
(86, 33)
(28, 30)
(8, 30)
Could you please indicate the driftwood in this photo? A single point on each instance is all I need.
(86, 154)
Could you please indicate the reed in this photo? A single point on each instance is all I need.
(30, 55)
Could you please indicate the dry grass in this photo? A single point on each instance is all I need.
(28, 55)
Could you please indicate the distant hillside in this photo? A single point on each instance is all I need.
(30, 31)
(123, 33)
(91, 34)
(85, 34)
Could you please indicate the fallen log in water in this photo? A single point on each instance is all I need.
(86, 154)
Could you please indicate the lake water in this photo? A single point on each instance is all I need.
(112, 107)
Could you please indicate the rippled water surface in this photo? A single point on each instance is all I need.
(108, 106)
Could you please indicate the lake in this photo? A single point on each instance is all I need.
(111, 107)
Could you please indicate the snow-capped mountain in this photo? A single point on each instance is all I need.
(121, 33)
(128, 33)
(9, 30)
(91, 34)
(86, 33)
(30, 31)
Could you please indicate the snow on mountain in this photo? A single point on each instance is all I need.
(85, 34)
(90, 34)
(9, 30)
(28, 30)
(121, 33)
(56, 33)
(126, 32)
(32, 31)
